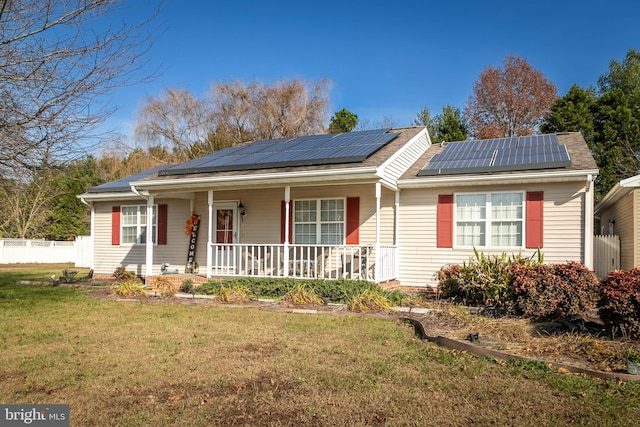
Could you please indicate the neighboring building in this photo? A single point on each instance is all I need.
(382, 205)
(619, 212)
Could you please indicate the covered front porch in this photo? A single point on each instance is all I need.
(362, 262)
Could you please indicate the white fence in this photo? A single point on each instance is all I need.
(15, 251)
(606, 254)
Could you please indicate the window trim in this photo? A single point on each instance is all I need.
(488, 220)
(154, 226)
(318, 221)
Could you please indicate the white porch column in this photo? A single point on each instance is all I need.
(93, 238)
(588, 223)
(149, 237)
(376, 268)
(210, 233)
(287, 220)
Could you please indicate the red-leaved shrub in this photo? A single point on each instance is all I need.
(619, 305)
(553, 291)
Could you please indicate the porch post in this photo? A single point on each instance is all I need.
(376, 267)
(287, 219)
(149, 244)
(396, 231)
(209, 233)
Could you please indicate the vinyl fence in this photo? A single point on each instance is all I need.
(606, 254)
(79, 252)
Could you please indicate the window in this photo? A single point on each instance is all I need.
(489, 219)
(134, 225)
(319, 221)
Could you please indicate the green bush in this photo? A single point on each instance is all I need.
(553, 291)
(619, 304)
(337, 291)
(187, 286)
(485, 280)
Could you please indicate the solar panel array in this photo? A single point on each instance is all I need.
(499, 155)
(299, 151)
(124, 184)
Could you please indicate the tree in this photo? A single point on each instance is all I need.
(572, 112)
(609, 119)
(175, 119)
(233, 113)
(343, 121)
(251, 111)
(509, 101)
(57, 61)
(448, 126)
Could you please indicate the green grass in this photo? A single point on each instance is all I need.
(138, 364)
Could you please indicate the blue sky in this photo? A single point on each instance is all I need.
(385, 58)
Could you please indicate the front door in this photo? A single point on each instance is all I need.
(226, 234)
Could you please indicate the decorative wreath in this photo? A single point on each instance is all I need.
(192, 224)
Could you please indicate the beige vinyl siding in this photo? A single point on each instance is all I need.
(625, 227)
(420, 258)
(108, 257)
(262, 223)
(407, 157)
(636, 229)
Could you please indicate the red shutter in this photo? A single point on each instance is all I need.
(353, 221)
(115, 225)
(445, 221)
(283, 207)
(162, 224)
(535, 223)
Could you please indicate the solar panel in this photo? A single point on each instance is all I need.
(285, 152)
(124, 184)
(499, 155)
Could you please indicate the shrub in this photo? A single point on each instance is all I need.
(619, 304)
(166, 287)
(233, 294)
(301, 295)
(552, 291)
(484, 280)
(129, 289)
(187, 286)
(122, 275)
(370, 300)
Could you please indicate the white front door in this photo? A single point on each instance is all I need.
(226, 234)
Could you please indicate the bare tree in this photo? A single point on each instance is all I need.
(176, 120)
(58, 59)
(508, 101)
(250, 111)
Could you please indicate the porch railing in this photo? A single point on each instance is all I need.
(305, 261)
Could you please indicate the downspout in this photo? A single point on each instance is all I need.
(376, 267)
(588, 223)
(396, 231)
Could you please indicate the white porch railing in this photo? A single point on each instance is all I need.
(305, 261)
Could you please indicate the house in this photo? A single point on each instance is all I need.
(381, 205)
(619, 212)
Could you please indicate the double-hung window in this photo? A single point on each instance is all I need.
(134, 224)
(494, 220)
(320, 221)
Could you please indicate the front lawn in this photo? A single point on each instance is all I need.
(139, 364)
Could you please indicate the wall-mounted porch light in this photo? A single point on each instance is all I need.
(241, 210)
